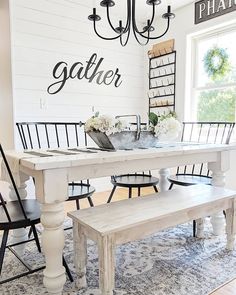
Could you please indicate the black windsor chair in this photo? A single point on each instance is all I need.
(15, 215)
(49, 135)
(134, 180)
(130, 181)
(200, 132)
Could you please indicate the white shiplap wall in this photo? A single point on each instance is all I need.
(48, 31)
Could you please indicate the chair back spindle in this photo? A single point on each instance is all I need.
(47, 135)
(204, 132)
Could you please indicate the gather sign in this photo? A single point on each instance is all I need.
(90, 71)
(208, 9)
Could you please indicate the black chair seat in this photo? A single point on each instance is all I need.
(79, 191)
(134, 180)
(186, 180)
(32, 210)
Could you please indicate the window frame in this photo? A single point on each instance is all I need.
(194, 89)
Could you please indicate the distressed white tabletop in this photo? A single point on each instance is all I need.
(82, 159)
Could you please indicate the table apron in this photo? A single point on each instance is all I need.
(130, 166)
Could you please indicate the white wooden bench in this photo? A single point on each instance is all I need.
(125, 221)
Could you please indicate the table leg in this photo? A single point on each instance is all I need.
(52, 218)
(200, 227)
(218, 169)
(106, 250)
(80, 254)
(164, 183)
(231, 226)
(218, 219)
(21, 234)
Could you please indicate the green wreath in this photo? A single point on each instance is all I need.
(216, 63)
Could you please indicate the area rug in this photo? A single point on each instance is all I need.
(170, 262)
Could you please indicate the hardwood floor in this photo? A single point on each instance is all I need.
(122, 194)
(227, 289)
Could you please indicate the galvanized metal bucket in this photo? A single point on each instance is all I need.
(124, 140)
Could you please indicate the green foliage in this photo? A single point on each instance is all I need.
(217, 105)
(216, 63)
(153, 118)
(168, 115)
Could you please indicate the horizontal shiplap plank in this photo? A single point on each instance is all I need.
(51, 57)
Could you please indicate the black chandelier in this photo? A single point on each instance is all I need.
(123, 32)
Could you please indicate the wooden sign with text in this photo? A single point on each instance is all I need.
(208, 9)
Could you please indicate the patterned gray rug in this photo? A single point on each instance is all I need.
(170, 262)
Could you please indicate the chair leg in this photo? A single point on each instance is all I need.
(111, 194)
(90, 202)
(36, 237)
(171, 186)
(77, 204)
(3, 248)
(155, 189)
(130, 192)
(139, 191)
(30, 232)
(67, 269)
(194, 228)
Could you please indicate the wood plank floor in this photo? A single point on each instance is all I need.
(227, 289)
(121, 194)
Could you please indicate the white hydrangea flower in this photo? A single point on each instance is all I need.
(105, 124)
(168, 129)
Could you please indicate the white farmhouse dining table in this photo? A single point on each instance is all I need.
(53, 173)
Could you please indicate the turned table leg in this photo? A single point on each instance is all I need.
(51, 191)
(218, 219)
(80, 254)
(231, 226)
(164, 183)
(106, 252)
(200, 227)
(52, 218)
(218, 169)
(21, 234)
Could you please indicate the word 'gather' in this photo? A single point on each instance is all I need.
(91, 72)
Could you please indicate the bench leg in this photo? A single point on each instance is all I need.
(106, 250)
(231, 226)
(200, 228)
(80, 254)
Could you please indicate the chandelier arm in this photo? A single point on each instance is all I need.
(109, 20)
(157, 37)
(127, 38)
(104, 38)
(134, 19)
(137, 39)
(127, 20)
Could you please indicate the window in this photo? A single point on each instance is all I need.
(214, 99)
